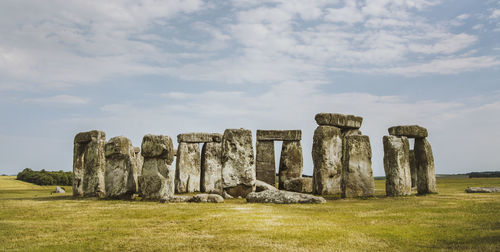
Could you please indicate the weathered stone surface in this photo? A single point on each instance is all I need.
(357, 174)
(89, 164)
(482, 189)
(158, 146)
(410, 131)
(137, 150)
(59, 190)
(211, 168)
(199, 138)
(291, 162)
(279, 135)
(119, 168)
(262, 186)
(426, 174)
(397, 166)
(188, 168)
(302, 185)
(413, 169)
(283, 197)
(327, 159)
(265, 166)
(176, 199)
(351, 132)
(157, 179)
(137, 162)
(238, 165)
(339, 120)
(207, 198)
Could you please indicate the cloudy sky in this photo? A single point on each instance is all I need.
(173, 66)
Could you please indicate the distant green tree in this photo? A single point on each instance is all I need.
(44, 177)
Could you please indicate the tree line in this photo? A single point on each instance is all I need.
(44, 177)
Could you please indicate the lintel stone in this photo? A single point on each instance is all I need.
(199, 137)
(279, 135)
(410, 131)
(339, 120)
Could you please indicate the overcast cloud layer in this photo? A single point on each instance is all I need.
(170, 67)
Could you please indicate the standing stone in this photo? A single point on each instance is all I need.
(188, 168)
(265, 165)
(301, 185)
(397, 166)
(426, 175)
(211, 168)
(291, 163)
(327, 159)
(89, 164)
(413, 169)
(357, 175)
(138, 160)
(238, 164)
(157, 179)
(119, 167)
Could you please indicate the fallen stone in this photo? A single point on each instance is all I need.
(226, 195)
(188, 168)
(207, 198)
(397, 166)
(291, 163)
(283, 197)
(327, 159)
(211, 168)
(302, 185)
(339, 120)
(120, 158)
(238, 165)
(158, 146)
(199, 138)
(482, 189)
(59, 190)
(279, 135)
(262, 186)
(89, 164)
(265, 166)
(357, 174)
(426, 174)
(176, 199)
(410, 131)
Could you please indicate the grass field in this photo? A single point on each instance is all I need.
(33, 219)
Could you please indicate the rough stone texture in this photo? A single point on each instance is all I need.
(282, 197)
(279, 135)
(176, 199)
(238, 165)
(89, 164)
(207, 198)
(199, 137)
(59, 190)
(482, 189)
(410, 131)
(357, 174)
(120, 162)
(262, 186)
(327, 159)
(211, 168)
(302, 185)
(413, 169)
(397, 166)
(157, 179)
(188, 168)
(265, 165)
(291, 163)
(137, 162)
(426, 175)
(339, 120)
(351, 132)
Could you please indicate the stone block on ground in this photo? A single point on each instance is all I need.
(89, 164)
(279, 135)
(482, 189)
(410, 131)
(207, 198)
(59, 190)
(327, 159)
(199, 137)
(426, 174)
(357, 174)
(176, 199)
(211, 168)
(188, 168)
(339, 120)
(291, 162)
(283, 197)
(265, 164)
(302, 185)
(397, 166)
(262, 186)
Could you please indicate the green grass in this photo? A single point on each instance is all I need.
(33, 219)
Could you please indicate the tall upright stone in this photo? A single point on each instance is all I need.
(265, 165)
(138, 160)
(211, 168)
(120, 162)
(413, 169)
(157, 179)
(426, 175)
(238, 164)
(89, 164)
(397, 166)
(188, 168)
(357, 174)
(291, 162)
(327, 159)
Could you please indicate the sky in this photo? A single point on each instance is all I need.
(168, 67)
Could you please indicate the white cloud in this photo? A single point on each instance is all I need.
(59, 99)
(495, 14)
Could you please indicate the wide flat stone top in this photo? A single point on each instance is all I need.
(84, 137)
(118, 146)
(279, 135)
(411, 131)
(339, 120)
(199, 137)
